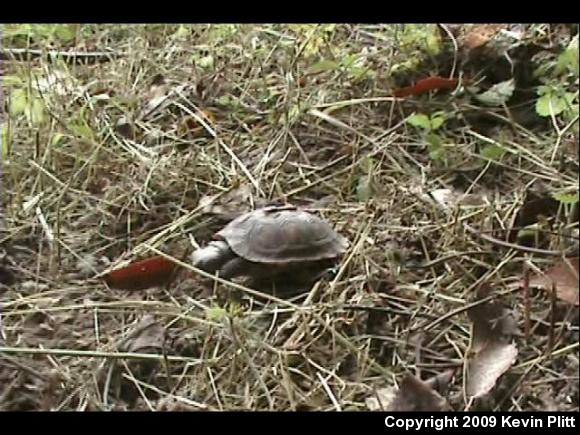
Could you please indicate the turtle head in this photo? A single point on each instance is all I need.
(212, 257)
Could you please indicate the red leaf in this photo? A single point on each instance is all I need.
(426, 85)
(142, 274)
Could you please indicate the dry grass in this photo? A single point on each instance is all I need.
(76, 191)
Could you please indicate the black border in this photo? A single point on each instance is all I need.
(274, 422)
(290, 11)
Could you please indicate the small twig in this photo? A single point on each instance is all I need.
(467, 307)
(455, 48)
(555, 353)
(100, 354)
(511, 245)
(527, 302)
(329, 392)
(553, 301)
(446, 258)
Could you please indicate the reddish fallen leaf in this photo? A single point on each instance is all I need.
(565, 276)
(142, 274)
(429, 84)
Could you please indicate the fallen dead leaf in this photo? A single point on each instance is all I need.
(417, 395)
(87, 266)
(156, 97)
(412, 395)
(56, 82)
(564, 275)
(189, 125)
(147, 336)
(486, 367)
(479, 34)
(449, 199)
(382, 398)
(440, 382)
(498, 94)
(230, 205)
(125, 128)
(492, 353)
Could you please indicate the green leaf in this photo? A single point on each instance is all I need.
(82, 130)
(542, 90)
(100, 97)
(364, 189)
(226, 100)
(498, 94)
(323, 66)
(437, 120)
(65, 32)
(205, 62)
(215, 313)
(420, 120)
(553, 102)
(12, 80)
(294, 113)
(349, 60)
(493, 152)
(56, 138)
(182, 32)
(566, 198)
(435, 147)
(359, 73)
(18, 101)
(34, 112)
(433, 45)
(367, 165)
(568, 59)
(423, 37)
(5, 143)
(12, 30)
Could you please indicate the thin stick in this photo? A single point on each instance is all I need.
(552, 318)
(99, 354)
(527, 302)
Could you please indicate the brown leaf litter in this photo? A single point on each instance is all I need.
(492, 353)
(563, 276)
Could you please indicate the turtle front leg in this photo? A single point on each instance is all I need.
(233, 268)
(213, 256)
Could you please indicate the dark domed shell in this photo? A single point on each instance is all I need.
(282, 234)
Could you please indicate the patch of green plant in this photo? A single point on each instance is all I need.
(21, 34)
(5, 142)
(415, 42)
(558, 94)
(27, 102)
(354, 66)
(554, 99)
(566, 197)
(429, 125)
(313, 36)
